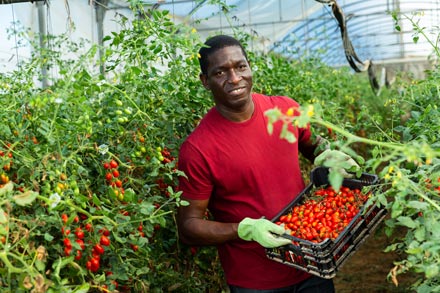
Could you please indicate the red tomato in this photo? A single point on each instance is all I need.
(94, 264)
(67, 243)
(104, 240)
(81, 243)
(78, 254)
(98, 249)
(79, 233)
(113, 164)
(67, 250)
(88, 227)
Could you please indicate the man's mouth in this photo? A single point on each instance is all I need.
(237, 91)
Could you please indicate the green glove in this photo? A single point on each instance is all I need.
(339, 161)
(262, 231)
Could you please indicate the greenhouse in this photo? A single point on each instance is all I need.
(219, 145)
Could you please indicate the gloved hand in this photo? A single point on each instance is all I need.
(262, 231)
(339, 161)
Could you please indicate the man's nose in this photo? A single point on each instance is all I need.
(234, 76)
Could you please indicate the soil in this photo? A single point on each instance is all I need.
(367, 269)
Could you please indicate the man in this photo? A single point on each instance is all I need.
(240, 173)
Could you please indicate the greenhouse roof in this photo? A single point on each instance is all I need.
(294, 28)
(308, 27)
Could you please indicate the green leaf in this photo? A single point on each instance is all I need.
(335, 179)
(40, 265)
(3, 218)
(382, 199)
(432, 271)
(418, 205)
(420, 234)
(183, 203)
(84, 288)
(407, 221)
(414, 250)
(96, 200)
(396, 209)
(8, 187)
(129, 195)
(25, 198)
(287, 135)
(61, 263)
(48, 237)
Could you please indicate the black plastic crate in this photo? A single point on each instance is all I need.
(326, 257)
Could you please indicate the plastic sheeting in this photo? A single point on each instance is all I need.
(295, 28)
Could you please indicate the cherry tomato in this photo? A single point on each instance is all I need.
(98, 249)
(94, 264)
(67, 243)
(113, 164)
(104, 240)
(64, 218)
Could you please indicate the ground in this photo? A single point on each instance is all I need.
(366, 270)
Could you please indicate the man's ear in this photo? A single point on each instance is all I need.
(204, 80)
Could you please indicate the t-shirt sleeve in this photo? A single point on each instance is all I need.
(197, 184)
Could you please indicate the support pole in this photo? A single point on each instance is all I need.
(43, 36)
(100, 9)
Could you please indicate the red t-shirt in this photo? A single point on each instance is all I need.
(245, 172)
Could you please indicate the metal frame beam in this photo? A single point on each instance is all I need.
(18, 1)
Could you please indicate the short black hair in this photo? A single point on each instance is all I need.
(213, 44)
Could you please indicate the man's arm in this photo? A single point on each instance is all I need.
(194, 229)
(312, 148)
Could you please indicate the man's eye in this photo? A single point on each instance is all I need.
(219, 73)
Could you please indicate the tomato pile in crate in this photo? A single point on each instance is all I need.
(326, 226)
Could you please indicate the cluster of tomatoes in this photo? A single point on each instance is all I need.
(165, 156)
(112, 178)
(323, 214)
(433, 185)
(4, 178)
(78, 237)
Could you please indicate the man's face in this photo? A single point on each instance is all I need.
(229, 78)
